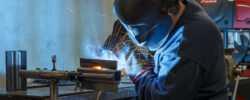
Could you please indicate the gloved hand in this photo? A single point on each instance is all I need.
(134, 69)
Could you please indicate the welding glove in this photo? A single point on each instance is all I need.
(134, 69)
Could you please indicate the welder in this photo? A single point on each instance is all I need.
(189, 58)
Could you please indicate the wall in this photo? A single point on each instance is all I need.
(53, 27)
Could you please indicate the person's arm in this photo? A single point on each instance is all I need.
(118, 42)
(180, 83)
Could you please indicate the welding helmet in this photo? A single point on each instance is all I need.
(147, 21)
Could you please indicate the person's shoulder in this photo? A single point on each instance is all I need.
(202, 40)
(197, 21)
(201, 27)
(201, 24)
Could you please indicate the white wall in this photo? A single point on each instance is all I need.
(48, 27)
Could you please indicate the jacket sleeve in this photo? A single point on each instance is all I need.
(118, 41)
(178, 81)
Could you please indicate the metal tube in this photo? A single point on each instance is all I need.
(10, 70)
(60, 75)
(21, 65)
(236, 86)
(15, 61)
(53, 89)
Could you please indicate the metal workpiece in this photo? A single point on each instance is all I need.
(117, 75)
(100, 74)
(86, 63)
(94, 81)
(15, 61)
(100, 85)
(97, 76)
(90, 70)
(64, 75)
(101, 78)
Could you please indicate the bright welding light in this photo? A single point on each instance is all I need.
(97, 67)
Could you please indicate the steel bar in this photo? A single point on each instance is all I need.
(63, 75)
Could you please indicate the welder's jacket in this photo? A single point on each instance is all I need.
(190, 65)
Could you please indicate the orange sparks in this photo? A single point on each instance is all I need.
(97, 67)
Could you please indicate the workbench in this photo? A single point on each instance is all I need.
(125, 91)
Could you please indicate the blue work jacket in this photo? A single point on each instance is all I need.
(190, 65)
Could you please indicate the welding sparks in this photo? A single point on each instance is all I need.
(97, 67)
(97, 52)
